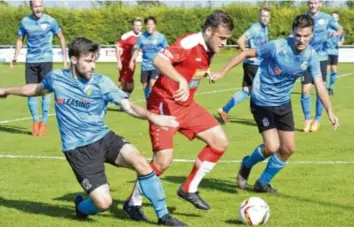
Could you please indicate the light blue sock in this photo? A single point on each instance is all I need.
(88, 207)
(254, 158)
(333, 79)
(327, 78)
(306, 106)
(319, 108)
(147, 92)
(33, 107)
(152, 189)
(46, 99)
(273, 167)
(237, 98)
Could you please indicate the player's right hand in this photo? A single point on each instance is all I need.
(131, 65)
(334, 120)
(214, 76)
(164, 121)
(119, 65)
(182, 93)
(12, 62)
(3, 93)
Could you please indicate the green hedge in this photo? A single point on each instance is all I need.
(106, 24)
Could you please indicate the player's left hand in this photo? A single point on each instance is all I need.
(164, 121)
(3, 93)
(334, 120)
(182, 93)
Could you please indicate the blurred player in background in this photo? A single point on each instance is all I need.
(124, 51)
(182, 66)
(333, 44)
(38, 28)
(255, 36)
(323, 22)
(284, 60)
(82, 97)
(149, 43)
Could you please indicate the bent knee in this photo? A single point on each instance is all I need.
(289, 150)
(220, 142)
(271, 149)
(103, 203)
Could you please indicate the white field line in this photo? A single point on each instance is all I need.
(141, 100)
(181, 160)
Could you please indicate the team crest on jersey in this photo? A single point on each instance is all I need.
(88, 91)
(304, 65)
(44, 26)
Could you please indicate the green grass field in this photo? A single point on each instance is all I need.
(316, 189)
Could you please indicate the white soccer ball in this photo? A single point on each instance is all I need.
(254, 211)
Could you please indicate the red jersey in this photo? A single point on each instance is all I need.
(126, 44)
(189, 55)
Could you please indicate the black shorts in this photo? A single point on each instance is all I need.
(35, 72)
(87, 162)
(249, 72)
(332, 59)
(306, 77)
(146, 76)
(269, 117)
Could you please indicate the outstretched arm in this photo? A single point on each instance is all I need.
(27, 90)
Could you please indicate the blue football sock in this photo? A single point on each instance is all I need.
(237, 98)
(152, 189)
(319, 108)
(147, 92)
(273, 167)
(45, 107)
(33, 107)
(88, 207)
(333, 79)
(254, 158)
(306, 106)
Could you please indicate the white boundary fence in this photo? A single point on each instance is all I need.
(107, 53)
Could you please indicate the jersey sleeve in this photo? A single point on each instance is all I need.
(314, 67)
(266, 50)
(21, 30)
(55, 27)
(333, 24)
(164, 42)
(176, 52)
(110, 92)
(47, 83)
(251, 32)
(139, 43)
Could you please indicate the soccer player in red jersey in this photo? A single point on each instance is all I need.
(124, 50)
(182, 66)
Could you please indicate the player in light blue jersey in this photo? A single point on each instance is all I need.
(256, 36)
(38, 28)
(149, 43)
(81, 99)
(333, 44)
(323, 22)
(284, 60)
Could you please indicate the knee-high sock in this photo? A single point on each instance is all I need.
(306, 106)
(33, 107)
(237, 98)
(333, 78)
(205, 162)
(254, 158)
(152, 189)
(45, 107)
(136, 197)
(273, 167)
(88, 207)
(319, 108)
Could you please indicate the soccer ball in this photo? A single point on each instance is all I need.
(254, 211)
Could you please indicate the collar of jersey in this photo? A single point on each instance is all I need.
(202, 41)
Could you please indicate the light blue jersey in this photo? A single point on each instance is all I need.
(280, 68)
(256, 35)
(81, 105)
(333, 42)
(150, 45)
(323, 22)
(39, 33)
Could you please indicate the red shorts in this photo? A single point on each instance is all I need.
(192, 119)
(126, 74)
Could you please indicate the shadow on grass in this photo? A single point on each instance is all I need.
(14, 129)
(213, 184)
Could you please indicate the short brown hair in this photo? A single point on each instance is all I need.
(137, 19)
(264, 9)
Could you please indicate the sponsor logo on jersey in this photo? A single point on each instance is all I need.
(84, 103)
